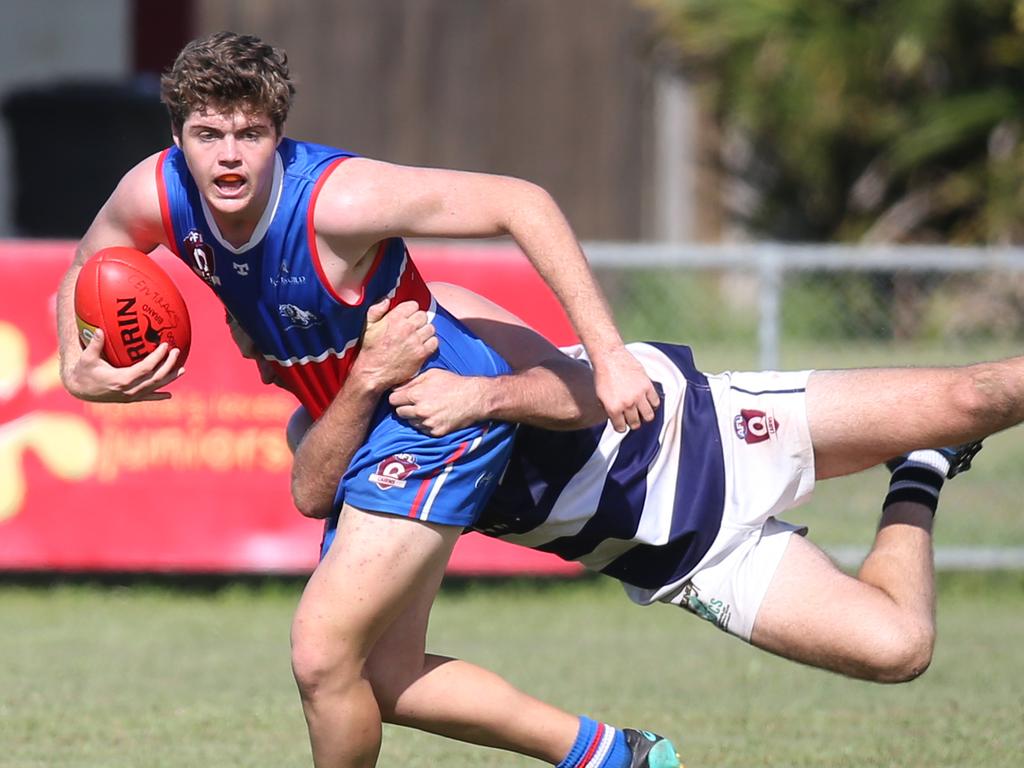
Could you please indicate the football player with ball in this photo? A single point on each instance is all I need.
(318, 232)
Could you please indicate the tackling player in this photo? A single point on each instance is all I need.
(683, 511)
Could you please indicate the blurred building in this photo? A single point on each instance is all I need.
(568, 94)
(45, 42)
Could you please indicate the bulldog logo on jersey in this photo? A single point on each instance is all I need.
(755, 426)
(200, 256)
(393, 471)
(297, 316)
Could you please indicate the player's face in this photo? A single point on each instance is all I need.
(231, 157)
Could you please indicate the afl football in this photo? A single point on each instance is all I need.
(135, 302)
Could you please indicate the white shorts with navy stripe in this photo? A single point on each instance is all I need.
(769, 469)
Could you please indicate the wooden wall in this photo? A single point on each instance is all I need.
(556, 91)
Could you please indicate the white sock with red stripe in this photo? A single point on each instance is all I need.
(597, 745)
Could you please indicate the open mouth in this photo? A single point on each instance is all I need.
(229, 183)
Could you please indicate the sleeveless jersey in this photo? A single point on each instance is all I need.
(275, 288)
(642, 506)
(274, 285)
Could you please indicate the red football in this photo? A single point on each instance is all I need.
(135, 302)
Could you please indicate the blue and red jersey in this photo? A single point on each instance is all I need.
(274, 285)
(276, 289)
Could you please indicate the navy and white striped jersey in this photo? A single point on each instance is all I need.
(642, 506)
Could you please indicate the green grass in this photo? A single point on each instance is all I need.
(167, 677)
(978, 509)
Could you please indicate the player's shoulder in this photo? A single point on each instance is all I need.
(139, 184)
(147, 166)
(135, 203)
(356, 176)
(352, 193)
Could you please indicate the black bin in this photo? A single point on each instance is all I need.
(70, 144)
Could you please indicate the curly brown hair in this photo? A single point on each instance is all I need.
(227, 70)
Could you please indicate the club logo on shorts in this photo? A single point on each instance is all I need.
(755, 426)
(392, 472)
(716, 611)
(200, 256)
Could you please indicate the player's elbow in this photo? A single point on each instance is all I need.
(572, 404)
(530, 203)
(572, 415)
(311, 509)
(307, 501)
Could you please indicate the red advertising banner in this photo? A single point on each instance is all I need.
(197, 483)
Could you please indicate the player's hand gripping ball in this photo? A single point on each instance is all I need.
(138, 306)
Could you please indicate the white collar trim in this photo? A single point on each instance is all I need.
(264, 223)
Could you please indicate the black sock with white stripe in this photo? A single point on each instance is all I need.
(918, 479)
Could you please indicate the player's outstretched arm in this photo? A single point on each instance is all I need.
(366, 201)
(130, 217)
(395, 346)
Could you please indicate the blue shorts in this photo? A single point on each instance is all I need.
(445, 480)
(441, 480)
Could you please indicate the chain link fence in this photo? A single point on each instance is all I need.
(777, 306)
(770, 306)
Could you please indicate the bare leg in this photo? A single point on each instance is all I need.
(860, 418)
(879, 626)
(358, 653)
(460, 700)
(368, 578)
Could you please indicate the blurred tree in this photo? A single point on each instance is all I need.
(864, 120)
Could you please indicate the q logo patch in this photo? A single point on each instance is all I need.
(200, 257)
(755, 426)
(393, 471)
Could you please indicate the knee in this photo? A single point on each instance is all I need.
(319, 666)
(311, 669)
(901, 654)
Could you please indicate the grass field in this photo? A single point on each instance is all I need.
(166, 677)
